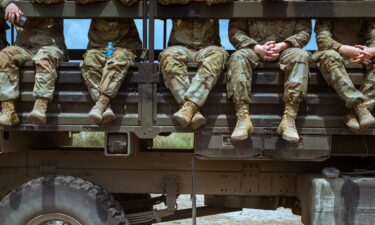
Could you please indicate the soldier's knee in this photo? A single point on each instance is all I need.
(332, 55)
(90, 59)
(237, 56)
(172, 61)
(300, 56)
(6, 57)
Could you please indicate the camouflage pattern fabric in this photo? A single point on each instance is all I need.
(4, 3)
(331, 34)
(293, 61)
(104, 76)
(194, 33)
(38, 33)
(46, 61)
(121, 32)
(246, 33)
(173, 64)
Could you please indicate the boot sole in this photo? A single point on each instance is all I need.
(108, 119)
(287, 138)
(10, 124)
(183, 122)
(198, 124)
(241, 138)
(36, 119)
(355, 129)
(367, 125)
(290, 139)
(96, 120)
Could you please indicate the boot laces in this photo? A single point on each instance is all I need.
(241, 122)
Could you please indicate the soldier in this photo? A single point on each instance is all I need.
(192, 40)
(42, 42)
(260, 40)
(104, 75)
(342, 42)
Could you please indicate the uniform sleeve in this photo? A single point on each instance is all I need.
(302, 34)
(173, 2)
(370, 35)
(324, 37)
(5, 3)
(239, 34)
(214, 2)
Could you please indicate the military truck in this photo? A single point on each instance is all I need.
(44, 179)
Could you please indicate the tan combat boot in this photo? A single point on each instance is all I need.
(108, 115)
(244, 127)
(366, 119)
(287, 128)
(352, 122)
(96, 113)
(8, 115)
(186, 113)
(197, 121)
(38, 115)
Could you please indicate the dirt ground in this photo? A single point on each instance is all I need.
(280, 216)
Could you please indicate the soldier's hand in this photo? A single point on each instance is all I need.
(369, 52)
(351, 51)
(265, 52)
(361, 59)
(12, 13)
(281, 46)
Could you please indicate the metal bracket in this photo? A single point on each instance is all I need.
(170, 184)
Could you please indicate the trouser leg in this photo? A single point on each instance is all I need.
(368, 88)
(211, 63)
(239, 75)
(92, 70)
(331, 65)
(115, 71)
(173, 65)
(46, 61)
(10, 59)
(295, 64)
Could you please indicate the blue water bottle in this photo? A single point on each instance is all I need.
(110, 50)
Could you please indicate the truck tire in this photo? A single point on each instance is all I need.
(60, 198)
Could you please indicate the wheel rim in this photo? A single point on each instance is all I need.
(53, 219)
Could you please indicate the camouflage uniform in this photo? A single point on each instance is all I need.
(192, 40)
(293, 61)
(42, 42)
(105, 76)
(331, 35)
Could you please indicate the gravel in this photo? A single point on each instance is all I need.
(280, 216)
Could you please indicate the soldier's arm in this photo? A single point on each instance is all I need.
(5, 3)
(238, 34)
(302, 34)
(173, 2)
(370, 36)
(324, 37)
